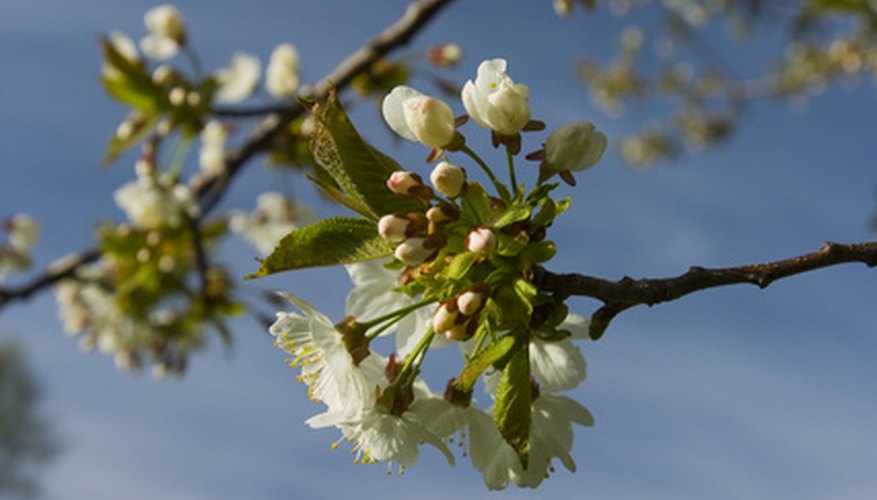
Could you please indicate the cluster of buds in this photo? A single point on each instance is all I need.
(457, 318)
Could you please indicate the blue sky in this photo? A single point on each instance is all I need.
(732, 393)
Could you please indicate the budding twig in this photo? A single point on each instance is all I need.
(628, 292)
(211, 189)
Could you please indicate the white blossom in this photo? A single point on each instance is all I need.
(374, 295)
(239, 80)
(151, 202)
(166, 32)
(418, 117)
(556, 366)
(489, 452)
(211, 157)
(575, 146)
(23, 230)
(551, 435)
(326, 366)
(274, 217)
(559, 365)
(281, 76)
(350, 391)
(496, 102)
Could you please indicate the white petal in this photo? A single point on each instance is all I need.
(557, 366)
(577, 326)
(393, 110)
(159, 47)
(490, 454)
(474, 101)
(240, 79)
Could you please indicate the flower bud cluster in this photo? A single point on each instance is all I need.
(416, 244)
(457, 318)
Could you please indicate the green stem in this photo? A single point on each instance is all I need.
(483, 166)
(421, 348)
(400, 312)
(479, 343)
(373, 335)
(178, 158)
(512, 178)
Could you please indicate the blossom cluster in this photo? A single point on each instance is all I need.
(462, 272)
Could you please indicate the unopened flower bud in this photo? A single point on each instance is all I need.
(413, 251)
(481, 240)
(446, 55)
(404, 183)
(393, 228)
(418, 117)
(470, 302)
(575, 146)
(459, 332)
(177, 96)
(442, 213)
(445, 317)
(448, 179)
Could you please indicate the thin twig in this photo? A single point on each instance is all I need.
(628, 292)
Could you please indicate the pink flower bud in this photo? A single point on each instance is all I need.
(481, 240)
(413, 251)
(392, 228)
(444, 317)
(402, 182)
(448, 179)
(470, 302)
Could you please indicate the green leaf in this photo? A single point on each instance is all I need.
(476, 201)
(140, 126)
(129, 82)
(512, 410)
(494, 353)
(337, 195)
(339, 240)
(510, 246)
(360, 170)
(516, 212)
(539, 252)
(546, 214)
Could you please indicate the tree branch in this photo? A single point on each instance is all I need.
(628, 292)
(211, 189)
